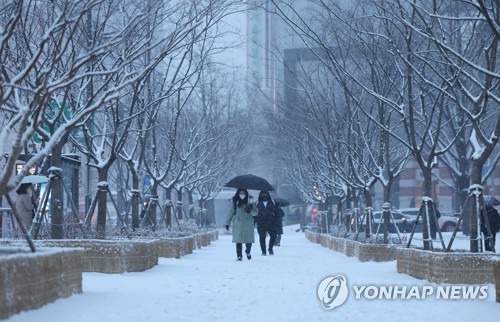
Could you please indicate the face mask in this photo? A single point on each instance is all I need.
(265, 198)
(242, 196)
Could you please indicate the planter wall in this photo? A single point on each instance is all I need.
(436, 267)
(119, 256)
(31, 280)
(351, 248)
(106, 256)
(112, 256)
(169, 247)
(453, 268)
(497, 279)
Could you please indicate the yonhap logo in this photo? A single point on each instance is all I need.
(333, 291)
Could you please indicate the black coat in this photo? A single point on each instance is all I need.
(268, 216)
(279, 227)
(493, 218)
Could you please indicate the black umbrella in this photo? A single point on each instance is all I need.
(492, 201)
(281, 202)
(249, 181)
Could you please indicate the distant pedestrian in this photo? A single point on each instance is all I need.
(241, 214)
(494, 221)
(267, 221)
(25, 204)
(279, 226)
(433, 227)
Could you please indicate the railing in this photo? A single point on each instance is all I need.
(8, 227)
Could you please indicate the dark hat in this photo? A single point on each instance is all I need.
(22, 190)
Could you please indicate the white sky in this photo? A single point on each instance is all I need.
(234, 26)
(210, 285)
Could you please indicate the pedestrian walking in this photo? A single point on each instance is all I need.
(241, 214)
(279, 227)
(25, 204)
(432, 223)
(494, 221)
(267, 221)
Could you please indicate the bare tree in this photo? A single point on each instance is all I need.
(438, 77)
(46, 84)
(472, 80)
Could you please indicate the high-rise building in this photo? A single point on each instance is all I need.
(268, 36)
(261, 48)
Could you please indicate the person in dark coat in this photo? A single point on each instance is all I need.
(432, 223)
(241, 214)
(25, 204)
(267, 221)
(279, 227)
(494, 221)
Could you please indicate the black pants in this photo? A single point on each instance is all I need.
(278, 240)
(262, 238)
(239, 248)
(489, 243)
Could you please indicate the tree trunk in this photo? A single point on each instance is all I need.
(152, 207)
(57, 195)
(386, 216)
(169, 206)
(102, 199)
(339, 211)
(201, 205)
(135, 201)
(475, 181)
(191, 205)
(136, 221)
(427, 192)
(179, 204)
(368, 219)
(461, 195)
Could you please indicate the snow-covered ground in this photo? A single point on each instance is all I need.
(210, 285)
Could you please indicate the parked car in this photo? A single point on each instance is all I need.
(312, 213)
(403, 222)
(294, 213)
(446, 222)
(413, 213)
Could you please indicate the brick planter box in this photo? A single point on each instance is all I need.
(363, 252)
(452, 268)
(31, 280)
(496, 271)
(436, 267)
(177, 247)
(169, 247)
(119, 256)
(107, 256)
(113, 256)
(187, 245)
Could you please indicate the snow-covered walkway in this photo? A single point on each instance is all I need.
(210, 285)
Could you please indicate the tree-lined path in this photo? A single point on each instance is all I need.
(210, 285)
